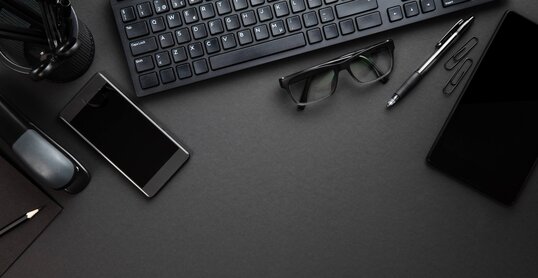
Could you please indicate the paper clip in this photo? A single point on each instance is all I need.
(461, 53)
(457, 77)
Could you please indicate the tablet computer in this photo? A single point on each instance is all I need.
(490, 140)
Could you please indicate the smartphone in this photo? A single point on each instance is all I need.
(490, 139)
(124, 135)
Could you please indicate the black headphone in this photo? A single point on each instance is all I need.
(55, 43)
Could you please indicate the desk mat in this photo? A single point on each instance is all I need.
(17, 197)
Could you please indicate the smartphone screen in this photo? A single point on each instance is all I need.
(124, 135)
(490, 140)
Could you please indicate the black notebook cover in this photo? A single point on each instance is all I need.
(17, 197)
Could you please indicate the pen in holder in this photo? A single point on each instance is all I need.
(44, 39)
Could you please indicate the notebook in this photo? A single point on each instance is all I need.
(17, 197)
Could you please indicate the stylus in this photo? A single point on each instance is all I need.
(442, 46)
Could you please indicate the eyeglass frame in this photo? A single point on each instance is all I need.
(337, 65)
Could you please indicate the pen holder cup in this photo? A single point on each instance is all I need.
(59, 50)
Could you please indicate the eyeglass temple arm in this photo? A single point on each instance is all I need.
(372, 65)
(304, 95)
(22, 11)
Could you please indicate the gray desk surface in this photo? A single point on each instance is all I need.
(339, 190)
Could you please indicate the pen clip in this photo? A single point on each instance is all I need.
(449, 33)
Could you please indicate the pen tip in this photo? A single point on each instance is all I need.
(32, 213)
(390, 103)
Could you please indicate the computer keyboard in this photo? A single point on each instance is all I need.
(171, 43)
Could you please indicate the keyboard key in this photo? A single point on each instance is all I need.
(240, 4)
(297, 6)
(167, 75)
(326, 14)
(161, 6)
(196, 50)
(411, 9)
(294, 23)
(212, 46)
(257, 51)
(127, 14)
(277, 28)
(143, 46)
(174, 20)
(200, 66)
(162, 59)
(179, 54)
(215, 27)
(166, 40)
(395, 13)
(310, 19)
(223, 7)
(261, 32)
(264, 13)
(427, 6)
(281, 9)
(199, 31)
(143, 64)
(232, 22)
(330, 31)
(149, 80)
(368, 21)
(314, 36)
(355, 7)
(313, 3)
(248, 18)
(244, 37)
(254, 3)
(347, 27)
(144, 10)
(228, 41)
(183, 35)
(157, 24)
(184, 71)
(207, 11)
(177, 4)
(330, 1)
(193, 2)
(136, 30)
(190, 15)
(447, 3)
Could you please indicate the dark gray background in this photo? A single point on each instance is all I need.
(339, 190)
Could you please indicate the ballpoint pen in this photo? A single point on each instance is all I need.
(19, 221)
(442, 46)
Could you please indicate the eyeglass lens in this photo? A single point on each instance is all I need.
(313, 88)
(368, 67)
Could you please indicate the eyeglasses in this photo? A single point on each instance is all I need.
(317, 83)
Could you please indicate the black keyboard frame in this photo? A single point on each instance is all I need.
(383, 5)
